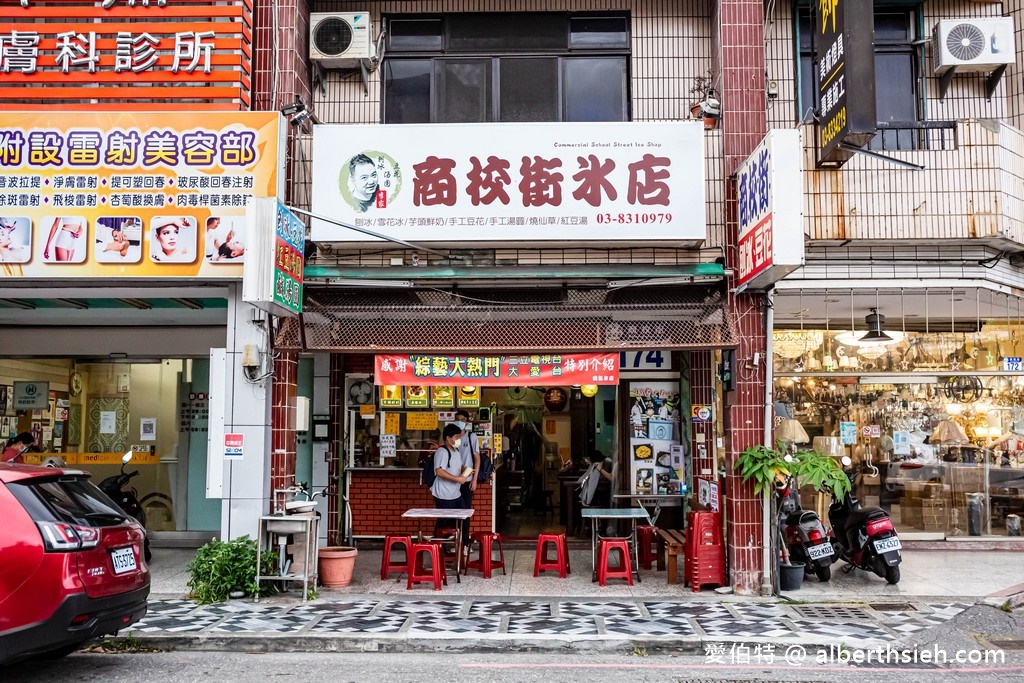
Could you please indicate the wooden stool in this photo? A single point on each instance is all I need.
(486, 562)
(386, 566)
(673, 544)
(417, 573)
(625, 570)
(541, 561)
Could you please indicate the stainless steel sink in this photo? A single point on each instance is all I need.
(286, 525)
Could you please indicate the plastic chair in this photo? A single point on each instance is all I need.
(437, 574)
(645, 540)
(542, 562)
(625, 569)
(386, 565)
(485, 562)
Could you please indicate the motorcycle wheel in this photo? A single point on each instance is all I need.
(892, 575)
(823, 573)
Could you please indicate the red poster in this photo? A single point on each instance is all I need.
(556, 369)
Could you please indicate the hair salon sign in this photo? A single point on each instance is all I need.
(548, 182)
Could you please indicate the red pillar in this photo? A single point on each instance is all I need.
(744, 124)
(282, 431)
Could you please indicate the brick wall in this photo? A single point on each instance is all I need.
(378, 499)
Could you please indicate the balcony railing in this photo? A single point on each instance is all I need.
(914, 135)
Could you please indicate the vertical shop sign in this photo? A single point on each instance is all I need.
(844, 48)
(272, 280)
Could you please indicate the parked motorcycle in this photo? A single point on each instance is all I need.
(126, 498)
(804, 534)
(864, 537)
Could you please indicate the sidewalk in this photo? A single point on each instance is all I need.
(517, 611)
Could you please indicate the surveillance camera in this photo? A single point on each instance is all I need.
(293, 108)
(299, 118)
(711, 107)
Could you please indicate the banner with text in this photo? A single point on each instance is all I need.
(501, 371)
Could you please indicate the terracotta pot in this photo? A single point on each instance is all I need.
(335, 565)
(695, 111)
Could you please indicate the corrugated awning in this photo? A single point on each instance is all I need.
(512, 320)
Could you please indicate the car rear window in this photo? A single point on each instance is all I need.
(73, 500)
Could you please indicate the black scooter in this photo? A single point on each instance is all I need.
(864, 537)
(126, 499)
(804, 534)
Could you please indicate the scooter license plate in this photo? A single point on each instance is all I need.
(124, 560)
(816, 552)
(884, 545)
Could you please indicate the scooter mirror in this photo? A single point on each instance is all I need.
(846, 461)
(126, 458)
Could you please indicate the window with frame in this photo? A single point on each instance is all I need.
(506, 67)
(897, 76)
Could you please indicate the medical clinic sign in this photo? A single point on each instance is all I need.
(167, 51)
(844, 50)
(769, 191)
(543, 182)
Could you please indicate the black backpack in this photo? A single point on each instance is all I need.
(429, 474)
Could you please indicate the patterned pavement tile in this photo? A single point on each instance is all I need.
(334, 608)
(174, 623)
(409, 607)
(222, 609)
(761, 611)
(676, 609)
(941, 613)
(666, 626)
(444, 624)
(360, 624)
(577, 626)
(604, 609)
(744, 628)
(170, 607)
(530, 609)
(262, 623)
(862, 630)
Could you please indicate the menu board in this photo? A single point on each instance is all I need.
(469, 397)
(421, 421)
(655, 454)
(417, 397)
(390, 396)
(442, 396)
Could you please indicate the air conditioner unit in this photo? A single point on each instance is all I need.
(972, 45)
(339, 40)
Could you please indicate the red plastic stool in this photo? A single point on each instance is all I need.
(645, 539)
(625, 570)
(437, 572)
(542, 561)
(485, 562)
(386, 565)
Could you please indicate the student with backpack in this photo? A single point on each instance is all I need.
(448, 478)
(469, 452)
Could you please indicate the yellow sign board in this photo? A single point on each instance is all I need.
(86, 459)
(498, 444)
(423, 421)
(366, 411)
(392, 423)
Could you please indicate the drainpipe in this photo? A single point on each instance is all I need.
(768, 582)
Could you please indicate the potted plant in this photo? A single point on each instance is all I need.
(223, 569)
(706, 106)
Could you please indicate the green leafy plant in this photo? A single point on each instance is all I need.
(822, 472)
(764, 465)
(222, 567)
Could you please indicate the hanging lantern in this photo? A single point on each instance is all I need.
(589, 390)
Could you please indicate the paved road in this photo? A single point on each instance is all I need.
(431, 668)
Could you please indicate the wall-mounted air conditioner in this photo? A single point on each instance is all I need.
(979, 44)
(339, 40)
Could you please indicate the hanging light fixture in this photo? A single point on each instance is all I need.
(876, 331)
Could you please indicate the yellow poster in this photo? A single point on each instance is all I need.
(132, 194)
(392, 423)
(422, 421)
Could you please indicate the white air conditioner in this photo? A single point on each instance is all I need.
(979, 44)
(339, 40)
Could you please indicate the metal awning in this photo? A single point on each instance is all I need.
(509, 320)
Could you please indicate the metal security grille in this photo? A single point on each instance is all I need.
(512, 320)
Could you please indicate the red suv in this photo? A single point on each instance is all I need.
(71, 563)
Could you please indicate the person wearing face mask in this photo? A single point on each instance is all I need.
(447, 486)
(469, 448)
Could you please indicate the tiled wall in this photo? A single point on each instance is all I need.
(378, 499)
(275, 88)
(282, 415)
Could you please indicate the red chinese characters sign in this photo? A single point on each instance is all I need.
(60, 52)
(628, 182)
(502, 371)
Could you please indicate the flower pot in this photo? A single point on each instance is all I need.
(696, 111)
(791, 576)
(335, 565)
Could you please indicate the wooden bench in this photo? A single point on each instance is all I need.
(671, 543)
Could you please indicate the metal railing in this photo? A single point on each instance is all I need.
(896, 136)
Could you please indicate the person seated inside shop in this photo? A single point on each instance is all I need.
(575, 466)
(447, 487)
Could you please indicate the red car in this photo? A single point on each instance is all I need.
(71, 563)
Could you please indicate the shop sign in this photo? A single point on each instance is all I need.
(416, 396)
(769, 194)
(234, 446)
(700, 413)
(469, 397)
(121, 195)
(94, 50)
(272, 280)
(31, 395)
(537, 370)
(1014, 364)
(844, 50)
(594, 182)
(442, 396)
(143, 457)
(391, 396)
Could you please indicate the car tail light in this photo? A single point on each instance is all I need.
(815, 535)
(878, 526)
(59, 537)
(81, 619)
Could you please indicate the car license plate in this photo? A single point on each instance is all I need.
(816, 552)
(124, 560)
(885, 545)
